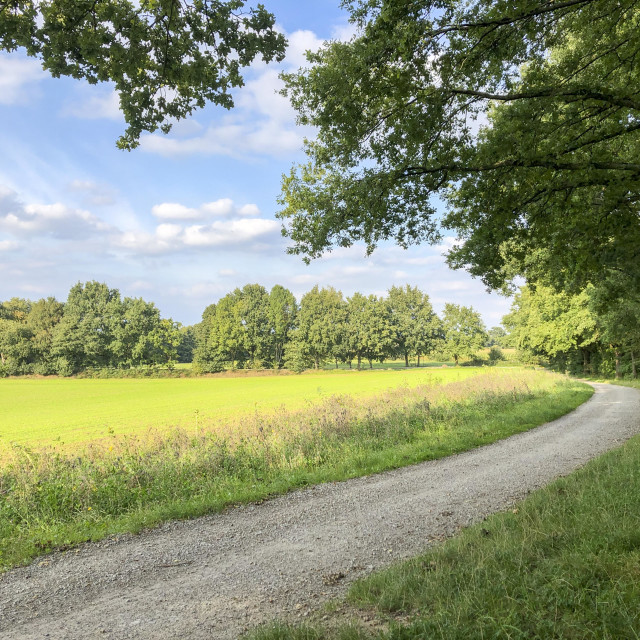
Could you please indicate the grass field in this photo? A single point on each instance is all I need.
(48, 410)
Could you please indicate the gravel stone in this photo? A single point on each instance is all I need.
(217, 576)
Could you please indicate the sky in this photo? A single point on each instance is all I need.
(186, 217)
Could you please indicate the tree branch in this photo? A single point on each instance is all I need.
(553, 92)
(531, 164)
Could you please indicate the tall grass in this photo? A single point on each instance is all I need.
(51, 500)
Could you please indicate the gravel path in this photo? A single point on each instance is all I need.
(216, 576)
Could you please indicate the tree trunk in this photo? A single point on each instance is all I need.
(455, 358)
(336, 363)
(370, 364)
(586, 362)
(634, 373)
(618, 371)
(317, 363)
(359, 361)
(418, 363)
(350, 367)
(406, 359)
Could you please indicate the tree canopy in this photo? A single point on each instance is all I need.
(166, 57)
(523, 116)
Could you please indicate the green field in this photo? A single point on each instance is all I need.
(65, 410)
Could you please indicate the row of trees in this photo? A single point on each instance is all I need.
(251, 327)
(94, 328)
(596, 331)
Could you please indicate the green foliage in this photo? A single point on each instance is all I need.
(187, 344)
(283, 310)
(321, 324)
(596, 331)
(522, 115)
(368, 330)
(464, 332)
(165, 57)
(94, 329)
(416, 326)
(248, 328)
(497, 336)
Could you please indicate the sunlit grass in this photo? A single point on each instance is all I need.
(44, 411)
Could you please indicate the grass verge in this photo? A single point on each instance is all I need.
(564, 564)
(52, 501)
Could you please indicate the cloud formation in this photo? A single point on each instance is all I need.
(223, 208)
(49, 220)
(221, 224)
(93, 103)
(17, 78)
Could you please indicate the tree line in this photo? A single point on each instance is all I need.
(95, 328)
(251, 327)
(594, 331)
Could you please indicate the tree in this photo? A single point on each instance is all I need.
(496, 337)
(225, 334)
(463, 330)
(188, 343)
(44, 316)
(553, 325)
(131, 344)
(165, 57)
(617, 315)
(85, 334)
(253, 301)
(414, 321)
(320, 323)
(283, 310)
(369, 328)
(16, 347)
(524, 116)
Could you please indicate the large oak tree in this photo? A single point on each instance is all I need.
(523, 116)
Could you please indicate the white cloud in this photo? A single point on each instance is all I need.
(237, 136)
(93, 104)
(344, 32)
(299, 43)
(54, 220)
(170, 238)
(175, 211)
(223, 208)
(263, 122)
(8, 245)
(17, 77)
(234, 232)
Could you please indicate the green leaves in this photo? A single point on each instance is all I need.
(523, 116)
(165, 57)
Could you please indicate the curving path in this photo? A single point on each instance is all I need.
(215, 576)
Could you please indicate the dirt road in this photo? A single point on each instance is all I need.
(216, 576)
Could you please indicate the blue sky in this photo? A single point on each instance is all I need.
(187, 217)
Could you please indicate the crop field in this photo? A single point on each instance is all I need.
(67, 411)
